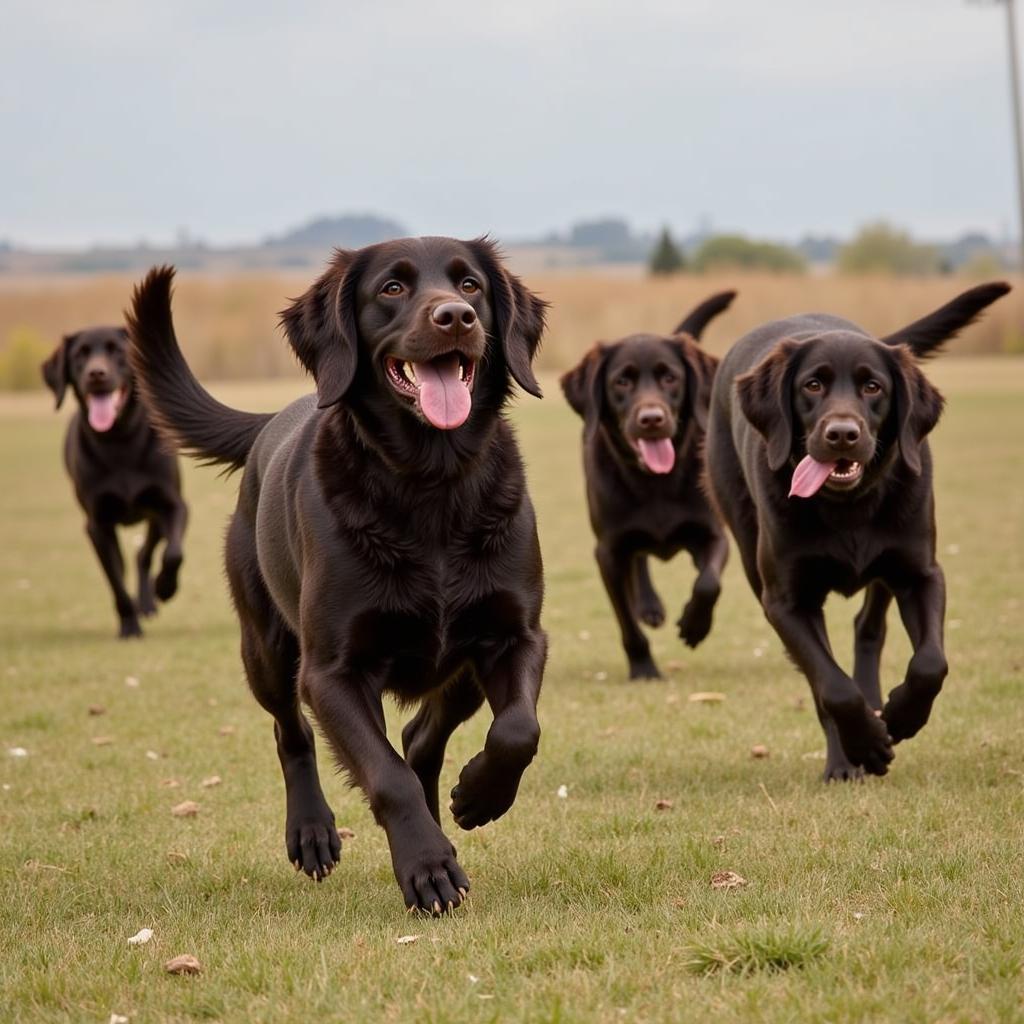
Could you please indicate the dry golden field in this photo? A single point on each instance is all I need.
(228, 323)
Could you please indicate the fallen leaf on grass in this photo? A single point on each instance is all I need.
(152, 755)
(131, 681)
(117, 1018)
(226, 730)
(663, 805)
(210, 781)
(177, 857)
(186, 809)
(185, 963)
(103, 741)
(563, 792)
(759, 750)
(404, 940)
(706, 697)
(141, 937)
(18, 752)
(346, 833)
(727, 880)
(97, 709)
(170, 783)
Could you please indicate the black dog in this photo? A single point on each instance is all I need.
(818, 458)
(644, 404)
(384, 541)
(120, 472)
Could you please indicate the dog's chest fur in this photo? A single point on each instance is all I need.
(414, 578)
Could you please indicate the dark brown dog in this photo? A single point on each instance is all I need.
(818, 458)
(120, 472)
(644, 402)
(384, 541)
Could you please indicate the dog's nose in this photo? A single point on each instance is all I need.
(651, 417)
(842, 433)
(453, 317)
(96, 375)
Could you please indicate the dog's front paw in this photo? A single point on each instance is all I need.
(906, 713)
(166, 583)
(650, 611)
(313, 843)
(863, 734)
(145, 604)
(129, 628)
(431, 880)
(485, 791)
(643, 667)
(910, 704)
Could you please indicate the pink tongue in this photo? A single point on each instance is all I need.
(102, 411)
(444, 398)
(659, 456)
(809, 476)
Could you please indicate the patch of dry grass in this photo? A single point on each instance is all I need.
(228, 323)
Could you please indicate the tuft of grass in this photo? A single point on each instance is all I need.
(765, 947)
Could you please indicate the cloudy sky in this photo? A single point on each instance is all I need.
(132, 119)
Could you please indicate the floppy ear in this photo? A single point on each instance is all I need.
(56, 372)
(917, 407)
(321, 327)
(519, 315)
(765, 396)
(583, 385)
(700, 375)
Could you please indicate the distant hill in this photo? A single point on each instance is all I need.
(349, 231)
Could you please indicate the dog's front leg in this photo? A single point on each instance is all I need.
(104, 541)
(923, 609)
(173, 522)
(488, 784)
(709, 558)
(862, 735)
(352, 718)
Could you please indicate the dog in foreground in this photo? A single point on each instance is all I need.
(818, 458)
(384, 541)
(121, 472)
(644, 402)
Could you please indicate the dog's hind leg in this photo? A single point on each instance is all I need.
(616, 572)
(425, 736)
(647, 605)
(868, 639)
(709, 557)
(270, 653)
(104, 540)
(488, 784)
(144, 562)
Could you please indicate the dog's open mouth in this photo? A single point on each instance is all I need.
(442, 388)
(103, 408)
(811, 475)
(657, 454)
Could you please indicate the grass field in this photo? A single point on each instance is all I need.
(898, 899)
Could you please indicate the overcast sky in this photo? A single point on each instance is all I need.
(133, 119)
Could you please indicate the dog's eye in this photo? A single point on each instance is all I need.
(392, 288)
(871, 387)
(668, 378)
(623, 381)
(470, 285)
(111, 348)
(813, 386)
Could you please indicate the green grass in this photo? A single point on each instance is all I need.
(899, 899)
